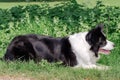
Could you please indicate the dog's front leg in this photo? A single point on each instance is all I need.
(92, 66)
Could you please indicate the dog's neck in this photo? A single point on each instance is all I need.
(81, 48)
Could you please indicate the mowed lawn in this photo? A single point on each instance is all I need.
(46, 71)
(5, 5)
(89, 3)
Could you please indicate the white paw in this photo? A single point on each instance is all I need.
(92, 66)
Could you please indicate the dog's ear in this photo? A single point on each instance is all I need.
(99, 27)
(93, 35)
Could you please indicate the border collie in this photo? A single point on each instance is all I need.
(77, 50)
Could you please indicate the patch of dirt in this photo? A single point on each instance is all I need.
(9, 77)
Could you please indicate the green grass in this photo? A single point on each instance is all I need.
(55, 72)
(46, 71)
(89, 3)
(5, 5)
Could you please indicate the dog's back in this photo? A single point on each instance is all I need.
(37, 47)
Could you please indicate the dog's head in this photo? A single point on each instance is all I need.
(98, 41)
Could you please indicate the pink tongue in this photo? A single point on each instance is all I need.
(104, 51)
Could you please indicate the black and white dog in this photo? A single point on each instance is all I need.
(77, 50)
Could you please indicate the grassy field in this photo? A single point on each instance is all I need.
(5, 5)
(89, 3)
(46, 71)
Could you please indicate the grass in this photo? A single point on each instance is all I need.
(47, 71)
(6, 5)
(54, 72)
(89, 3)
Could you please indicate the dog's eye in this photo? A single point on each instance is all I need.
(102, 43)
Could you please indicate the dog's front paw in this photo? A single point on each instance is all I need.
(93, 66)
(103, 67)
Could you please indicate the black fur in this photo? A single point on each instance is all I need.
(96, 39)
(36, 47)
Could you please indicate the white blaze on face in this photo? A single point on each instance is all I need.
(107, 48)
(109, 45)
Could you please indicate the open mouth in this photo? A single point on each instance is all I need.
(104, 51)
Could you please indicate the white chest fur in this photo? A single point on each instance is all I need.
(81, 48)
